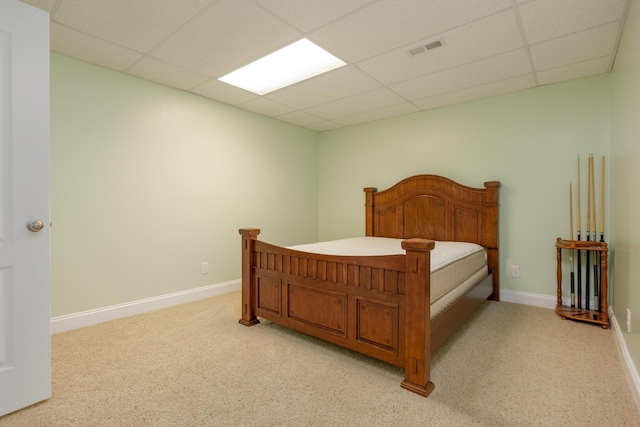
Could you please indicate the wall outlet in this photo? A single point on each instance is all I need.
(628, 320)
(515, 271)
(205, 268)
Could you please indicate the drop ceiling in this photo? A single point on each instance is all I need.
(489, 47)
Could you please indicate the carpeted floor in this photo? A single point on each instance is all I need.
(195, 365)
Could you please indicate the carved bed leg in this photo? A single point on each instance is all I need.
(417, 366)
(490, 234)
(493, 263)
(249, 236)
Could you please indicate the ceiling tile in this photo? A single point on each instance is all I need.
(378, 114)
(575, 71)
(158, 71)
(138, 25)
(377, 98)
(322, 126)
(224, 92)
(548, 19)
(631, 41)
(266, 107)
(331, 86)
(299, 118)
(477, 92)
(491, 47)
(226, 36)
(307, 15)
(480, 39)
(500, 67)
(388, 24)
(576, 47)
(75, 44)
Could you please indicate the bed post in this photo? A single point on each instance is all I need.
(249, 236)
(368, 214)
(417, 367)
(490, 235)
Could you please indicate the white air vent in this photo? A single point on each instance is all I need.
(429, 46)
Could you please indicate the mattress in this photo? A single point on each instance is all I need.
(457, 292)
(453, 264)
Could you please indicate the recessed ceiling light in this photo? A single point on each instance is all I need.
(291, 64)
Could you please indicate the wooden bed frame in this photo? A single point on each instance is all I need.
(379, 305)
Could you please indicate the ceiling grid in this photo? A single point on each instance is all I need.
(489, 48)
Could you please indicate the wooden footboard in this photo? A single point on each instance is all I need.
(374, 305)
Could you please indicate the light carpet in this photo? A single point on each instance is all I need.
(195, 365)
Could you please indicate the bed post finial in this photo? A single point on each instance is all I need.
(249, 236)
(368, 215)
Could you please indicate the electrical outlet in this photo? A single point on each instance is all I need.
(515, 271)
(205, 268)
(628, 320)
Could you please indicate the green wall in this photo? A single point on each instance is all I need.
(625, 176)
(148, 182)
(528, 140)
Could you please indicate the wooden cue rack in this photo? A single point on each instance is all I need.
(600, 317)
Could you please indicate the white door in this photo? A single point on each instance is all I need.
(25, 342)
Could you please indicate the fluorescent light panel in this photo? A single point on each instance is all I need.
(291, 64)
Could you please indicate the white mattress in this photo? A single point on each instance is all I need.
(452, 263)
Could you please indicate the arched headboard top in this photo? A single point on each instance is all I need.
(434, 207)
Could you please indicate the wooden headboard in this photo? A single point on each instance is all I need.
(436, 208)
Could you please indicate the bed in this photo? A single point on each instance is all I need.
(377, 303)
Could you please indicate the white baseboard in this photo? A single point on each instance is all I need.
(528, 298)
(92, 317)
(536, 300)
(630, 371)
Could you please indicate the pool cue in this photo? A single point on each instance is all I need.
(587, 263)
(599, 308)
(602, 205)
(596, 296)
(578, 254)
(573, 290)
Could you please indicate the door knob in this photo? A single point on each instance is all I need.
(35, 225)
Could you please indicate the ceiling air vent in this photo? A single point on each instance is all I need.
(429, 46)
(433, 45)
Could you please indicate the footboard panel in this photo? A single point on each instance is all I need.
(269, 295)
(344, 300)
(325, 310)
(378, 324)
